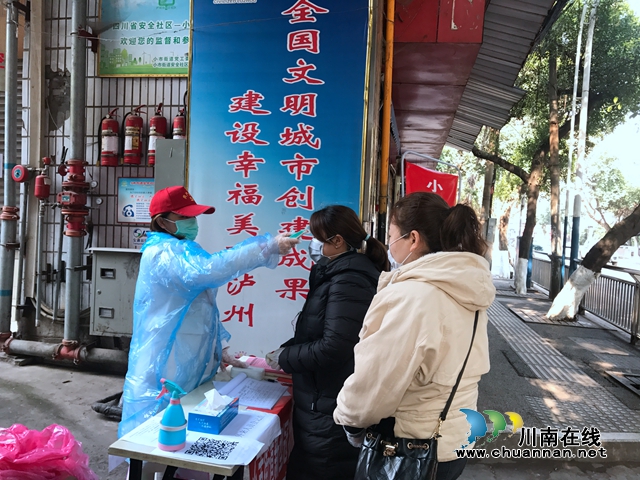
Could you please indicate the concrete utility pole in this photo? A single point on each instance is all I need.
(582, 137)
(572, 137)
(9, 216)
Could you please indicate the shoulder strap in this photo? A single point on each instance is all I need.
(443, 415)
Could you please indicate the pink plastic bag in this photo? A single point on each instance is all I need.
(52, 454)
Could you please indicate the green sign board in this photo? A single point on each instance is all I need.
(144, 38)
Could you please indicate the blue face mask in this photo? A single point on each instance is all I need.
(187, 228)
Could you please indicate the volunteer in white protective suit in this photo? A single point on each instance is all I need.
(177, 333)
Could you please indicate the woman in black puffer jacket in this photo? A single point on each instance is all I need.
(320, 355)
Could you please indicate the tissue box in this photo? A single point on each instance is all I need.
(200, 421)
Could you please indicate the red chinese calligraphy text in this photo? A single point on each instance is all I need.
(235, 286)
(247, 194)
(300, 165)
(308, 40)
(300, 73)
(249, 102)
(297, 258)
(245, 162)
(294, 198)
(302, 136)
(240, 312)
(295, 287)
(300, 104)
(304, 11)
(245, 133)
(243, 223)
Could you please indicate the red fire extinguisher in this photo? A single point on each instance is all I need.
(157, 129)
(109, 140)
(133, 125)
(42, 188)
(180, 126)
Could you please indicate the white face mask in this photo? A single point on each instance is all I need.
(392, 261)
(316, 250)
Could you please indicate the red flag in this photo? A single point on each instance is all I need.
(420, 179)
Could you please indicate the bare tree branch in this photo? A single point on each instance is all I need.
(508, 166)
(595, 213)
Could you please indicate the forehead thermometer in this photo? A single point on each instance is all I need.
(298, 234)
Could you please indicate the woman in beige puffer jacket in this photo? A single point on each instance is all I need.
(418, 329)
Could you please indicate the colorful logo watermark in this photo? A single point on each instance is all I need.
(534, 442)
(480, 427)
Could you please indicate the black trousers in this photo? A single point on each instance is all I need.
(451, 470)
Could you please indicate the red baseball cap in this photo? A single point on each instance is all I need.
(177, 200)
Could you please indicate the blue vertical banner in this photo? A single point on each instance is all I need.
(276, 130)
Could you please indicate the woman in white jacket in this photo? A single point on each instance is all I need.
(418, 330)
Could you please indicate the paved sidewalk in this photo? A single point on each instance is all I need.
(554, 374)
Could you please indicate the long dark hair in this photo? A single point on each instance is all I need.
(444, 229)
(340, 220)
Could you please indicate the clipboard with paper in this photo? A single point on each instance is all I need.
(253, 393)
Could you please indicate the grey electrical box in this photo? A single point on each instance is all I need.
(171, 163)
(115, 272)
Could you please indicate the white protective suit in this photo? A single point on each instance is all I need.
(177, 332)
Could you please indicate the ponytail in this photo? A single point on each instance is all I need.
(376, 252)
(461, 231)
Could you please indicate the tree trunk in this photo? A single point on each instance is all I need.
(554, 170)
(566, 303)
(533, 191)
(504, 229)
(490, 145)
(486, 197)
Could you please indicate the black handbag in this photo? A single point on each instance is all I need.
(385, 457)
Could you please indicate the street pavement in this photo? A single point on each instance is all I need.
(552, 374)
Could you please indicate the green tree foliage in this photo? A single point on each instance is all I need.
(614, 95)
(472, 174)
(611, 198)
(615, 81)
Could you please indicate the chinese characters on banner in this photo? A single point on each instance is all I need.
(146, 38)
(420, 179)
(276, 132)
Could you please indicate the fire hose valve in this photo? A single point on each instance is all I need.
(22, 173)
(73, 198)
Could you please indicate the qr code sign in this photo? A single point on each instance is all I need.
(207, 447)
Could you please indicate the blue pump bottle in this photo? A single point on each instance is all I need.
(173, 426)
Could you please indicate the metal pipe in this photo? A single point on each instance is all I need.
(29, 348)
(23, 241)
(56, 295)
(9, 214)
(386, 120)
(98, 356)
(77, 152)
(40, 240)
